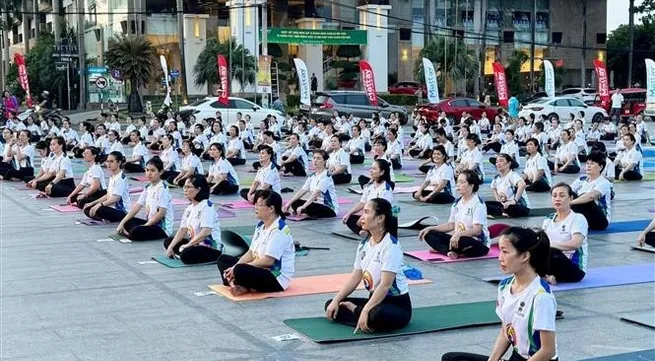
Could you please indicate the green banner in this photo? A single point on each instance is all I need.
(316, 37)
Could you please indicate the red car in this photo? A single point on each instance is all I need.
(634, 102)
(454, 108)
(408, 88)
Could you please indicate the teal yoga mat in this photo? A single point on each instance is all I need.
(424, 319)
(645, 355)
(177, 263)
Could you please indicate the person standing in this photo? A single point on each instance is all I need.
(314, 83)
(617, 102)
(513, 107)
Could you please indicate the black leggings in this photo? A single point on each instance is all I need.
(105, 213)
(224, 187)
(393, 313)
(133, 168)
(81, 202)
(395, 164)
(419, 153)
(194, 254)
(425, 168)
(63, 188)
(363, 180)
(40, 185)
(650, 238)
(439, 198)
(495, 208)
(236, 161)
(22, 173)
(244, 193)
(248, 276)
(136, 231)
(572, 168)
(294, 168)
(495, 146)
(167, 173)
(630, 175)
(563, 268)
(467, 246)
(171, 177)
(593, 213)
(465, 356)
(539, 186)
(342, 178)
(77, 152)
(314, 209)
(357, 159)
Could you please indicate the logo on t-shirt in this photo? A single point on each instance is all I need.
(368, 281)
(520, 310)
(510, 333)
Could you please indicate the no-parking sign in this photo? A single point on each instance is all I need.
(101, 82)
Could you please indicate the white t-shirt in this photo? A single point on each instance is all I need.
(617, 100)
(219, 138)
(94, 172)
(269, 175)
(119, 186)
(191, 162)
(28, 151)
(70, 136)
(171, 159)
(203, 215)
(543, 140)
(116, 146)
(373, 190)
(560, 231)
(141, 150)
(508, 185)
(512, 149)
(442, 173)
(632, 156)
(115, 126)
(582, 185)
(356, 146)
(324, 184)
(102, 143)
(386, 256)
(395, 148)
(129, 129)
(536, 163)
(608, 128)
(567, 151)
(524, 314)
(236, 144)
(466, 214)
(155, 197)
(472, 159)
(60, 163)
(609, 171)
(46, 162)
(86, 140)
(450, 148)
(276, 242)
(425, 141)
(339, 159)
(224, 167)
(300, 155)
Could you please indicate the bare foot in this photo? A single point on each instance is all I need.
(433, 250)
(237, 290)
(551, 279)
(348, 305)
(453, 255)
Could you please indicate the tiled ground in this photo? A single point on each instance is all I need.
(65, 296)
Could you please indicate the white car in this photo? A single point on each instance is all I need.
(207, 108)
(563, 106)
(584, 94)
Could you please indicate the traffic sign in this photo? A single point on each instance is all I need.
(101, 83)
(175, 74)
(116, 74)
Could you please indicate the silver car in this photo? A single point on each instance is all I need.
(350, 102)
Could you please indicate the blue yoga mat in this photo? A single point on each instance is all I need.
(624, 226)
(645, 355)
(650, 152)
(649, 164)
(611, 276)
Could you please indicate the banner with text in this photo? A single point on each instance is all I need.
(603, 82)
(368, 82)
(224, 95)
(164, 67)
(501, 84)
(317, 36)
(549, 84)
(431, 81)
(303, 81)
(650, 86)
(22, 77)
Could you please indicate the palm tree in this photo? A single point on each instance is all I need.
(206, 69)
(135, 57)
(10, 10)
(513, 72)
(462, 65)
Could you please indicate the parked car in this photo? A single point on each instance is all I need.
(454, 108)
(584, 94)
(562, 106)
(634, 102)
(534, 97)
(346, 102)
(408, 88)
(207, 108)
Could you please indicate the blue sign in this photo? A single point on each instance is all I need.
(116, 74)
(175, 73)
(96, 69)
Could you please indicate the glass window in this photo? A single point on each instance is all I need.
(339, 98)
(198, 102)
(240, 104)
(570, 91)
(459, 103)
(219, 105)
(357, 99)
(576, 103)
(561, 103)
(473, 103)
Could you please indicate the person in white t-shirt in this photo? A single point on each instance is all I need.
(86, 140)
(269, 264)
(93, 181)
(567, 232)
(594, 194)
(61, 182)
(394, 148)
(294, 159)
(189, 166)
(43, 149)
(607, 130)
(140, 155)
(525, 304)
(536, 174)
(472, 158)
(125, 136)
(629, 163)
(566, 159)
(114, 205)
(509, 147)
(508, 190)
(22, 153)
(222, 177)
(495, 140)
(339, 162)
(617, 103)
(156, 199)
(267, 176)
(198, 240)
(465, 233)
(321, 199)
(169, 156)
(236, 150)
(379, 151)
(378, 264)
(424, 143)
(439, 182)
(71, 136)
(115, 144)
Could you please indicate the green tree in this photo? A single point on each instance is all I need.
(41, 70)
(618, 49)
(559, 73)
(205, 71)
(11, 83)
(513, 72)
(647, 10)
(135, 57)
(460, 63)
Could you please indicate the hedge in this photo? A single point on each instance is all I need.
(400, 99)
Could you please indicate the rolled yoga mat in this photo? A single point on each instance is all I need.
(645, 248)
(624, 226)
(424, 319)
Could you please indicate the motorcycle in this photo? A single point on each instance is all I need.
(54, 113)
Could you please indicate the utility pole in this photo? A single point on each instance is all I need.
(56, 20)
(632, 41)
(81, 67)
(5, 49)
(533, 30)
(26, 26)
(583, 64)
(37, 24)
(445, 52)
(478, 10)
(183, 75)
(265, 48)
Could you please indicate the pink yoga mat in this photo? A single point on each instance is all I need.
(428, 256)
(238, 205)
(139, 178)
(225, 213)
(65, 208)
(179, 202)
(135, 190)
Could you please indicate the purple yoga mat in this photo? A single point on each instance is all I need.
(225, 213)
(180, 202)
(651, 210)
(238, 205)
(612, 276)
(428, 256)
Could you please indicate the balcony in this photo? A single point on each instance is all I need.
(45, 6)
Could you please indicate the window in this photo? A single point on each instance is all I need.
(218, 105)
(576, 103)
(240, 104)
(508, 37)
(601, 38)
(357, 99)
(557, 37)
(459, 103)
(571, 91)
(198, 102)
(338, 98)
(473, 103)
(561, 103)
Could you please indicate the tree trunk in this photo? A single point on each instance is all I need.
(134, 104)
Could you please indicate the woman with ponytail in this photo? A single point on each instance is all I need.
(113, 206)
(93, 180)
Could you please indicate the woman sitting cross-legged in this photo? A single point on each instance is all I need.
(199, 238)
(439, 179)
(222, 177)
(536, 174)
(525, 304)
(294, 159)
(159, 209)
(190, 165)
(378, 264)
(629, 163)
(58, 181)
(267, 176)
(508, 189)
(466, 232)
(322, 197)
(594, 193)
(93, 180)
(567, 232)
(339, 162)
(269, 264)
(140, 155)
(566, 158)
(114, 205)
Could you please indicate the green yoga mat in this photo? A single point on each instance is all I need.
(403, 178)
(177, 263)
(425, 319)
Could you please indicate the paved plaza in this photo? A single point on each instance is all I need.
(64, 296)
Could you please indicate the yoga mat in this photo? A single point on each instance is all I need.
(225, 213)
(347, 234)
(91, 222)
(645, 355)
(624, 226)
(646, 178)
(645, 248)
(139, 178)
(649, 152)
(403, 178)
(241, 230)
(604, 277)
(120, 238)
(177, 263)
(406, 190)
(355, 190)
(428, 256)
(419, 224)
(241, 204)
(301, 286)
(643, 318)
(424, 319)
(135, 190)
(65, 208)
(534, 212)
(180, 202)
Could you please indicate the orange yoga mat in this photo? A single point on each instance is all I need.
(301, 286)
